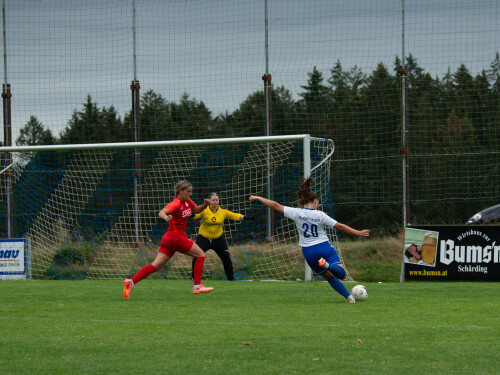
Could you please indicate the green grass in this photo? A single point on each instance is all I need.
(86, 327)
(377, 259)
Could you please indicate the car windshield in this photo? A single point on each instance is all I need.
(490, 215)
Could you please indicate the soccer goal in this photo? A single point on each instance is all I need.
(91, 211)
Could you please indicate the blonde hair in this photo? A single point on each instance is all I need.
(181, 185)
(305, 194)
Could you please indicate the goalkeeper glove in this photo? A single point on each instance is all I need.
(249, 218)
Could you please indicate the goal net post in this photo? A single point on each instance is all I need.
(91, 210)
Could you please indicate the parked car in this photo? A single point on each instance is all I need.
(490, 215)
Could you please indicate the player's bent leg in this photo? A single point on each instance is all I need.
(158, 263)
(336, 284)
(327, 275)
(339, 287)
(337, 270)
(160, 260)
(195, 251)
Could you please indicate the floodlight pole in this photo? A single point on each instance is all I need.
(269, 130)
(7, 132)
(403, 72)
(136, 117)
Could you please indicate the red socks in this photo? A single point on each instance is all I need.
(144, 272)
(198, 270)
(149, 269)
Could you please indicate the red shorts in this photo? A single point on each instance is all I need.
(172, 242)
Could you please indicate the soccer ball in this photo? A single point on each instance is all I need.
(360, 293)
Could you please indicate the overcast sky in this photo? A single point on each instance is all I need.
(58, 51)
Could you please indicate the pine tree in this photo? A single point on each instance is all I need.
(192, 116)
(83, 127)
(155, 119)
(316, 103)
(34, 133)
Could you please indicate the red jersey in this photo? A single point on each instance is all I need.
(180, 212)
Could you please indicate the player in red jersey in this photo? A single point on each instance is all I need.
(177, 213)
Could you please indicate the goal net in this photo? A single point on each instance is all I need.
(91, 211)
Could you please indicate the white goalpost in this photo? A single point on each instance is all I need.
(91, 210)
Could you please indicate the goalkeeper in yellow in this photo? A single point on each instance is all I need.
(211, 234)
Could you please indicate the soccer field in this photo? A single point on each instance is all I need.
(86, 327)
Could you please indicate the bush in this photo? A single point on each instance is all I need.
(71, 262)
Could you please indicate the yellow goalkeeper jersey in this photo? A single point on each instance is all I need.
(211, 222)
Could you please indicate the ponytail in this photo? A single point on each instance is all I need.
(305, 194)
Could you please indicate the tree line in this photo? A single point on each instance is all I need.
(448, 117)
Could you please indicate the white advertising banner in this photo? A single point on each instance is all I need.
(14, 259)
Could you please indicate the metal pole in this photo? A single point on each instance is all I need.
(307, 173)
(404, 99)
(134, 40)
(153, 144)
(7, 132)
(267, 95)
(136, 107)
(4, 43)
(404, 118)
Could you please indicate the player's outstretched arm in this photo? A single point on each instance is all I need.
(348, 229)
(198, 209)
(244, 217)
(268, 202)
